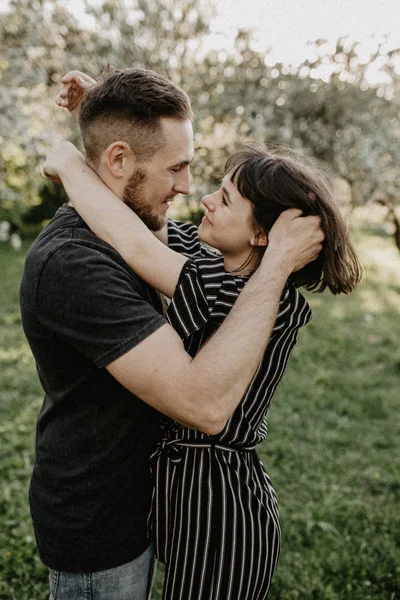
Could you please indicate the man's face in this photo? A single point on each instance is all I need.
(154, 184)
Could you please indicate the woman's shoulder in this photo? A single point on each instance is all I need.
(183, 237)
(293, 301)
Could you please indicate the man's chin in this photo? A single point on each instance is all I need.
(152, 221)
(158, 223)
(155, 223)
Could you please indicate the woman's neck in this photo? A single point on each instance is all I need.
(244, 264)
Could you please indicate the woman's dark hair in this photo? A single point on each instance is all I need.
(274, 183)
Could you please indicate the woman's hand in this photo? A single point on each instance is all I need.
(74, 85)
(61, 157)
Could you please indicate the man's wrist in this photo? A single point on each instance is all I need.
(68, 166)
(277, 263)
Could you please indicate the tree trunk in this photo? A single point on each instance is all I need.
(396, 224)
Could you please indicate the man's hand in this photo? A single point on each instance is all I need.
(74, 85)
(295, 240)
(62, 156)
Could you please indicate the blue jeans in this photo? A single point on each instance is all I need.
(131, 581)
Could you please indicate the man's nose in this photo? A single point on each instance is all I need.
(182, 182)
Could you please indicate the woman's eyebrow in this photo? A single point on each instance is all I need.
(225, 191)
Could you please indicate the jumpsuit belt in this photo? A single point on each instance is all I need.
(173, 444)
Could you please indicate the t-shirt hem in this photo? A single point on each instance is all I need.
(92, 565)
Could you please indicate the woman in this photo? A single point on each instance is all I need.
(214, 516)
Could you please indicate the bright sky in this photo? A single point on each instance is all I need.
(286, 25)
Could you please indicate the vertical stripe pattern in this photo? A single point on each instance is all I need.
(214, 515)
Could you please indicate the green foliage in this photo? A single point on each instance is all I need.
(331, 451)
(32, 61)
(325, 108)
(334, 425)
(22, 574)
(52, 196)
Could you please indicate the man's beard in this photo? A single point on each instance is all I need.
(133, 197)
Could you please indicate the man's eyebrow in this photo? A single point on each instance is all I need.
(225, 191)
(182, 163)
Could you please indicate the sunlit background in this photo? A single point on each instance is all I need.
(318, 77)
(284, 28)
(321, 77)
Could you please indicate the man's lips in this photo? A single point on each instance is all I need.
(166, 205)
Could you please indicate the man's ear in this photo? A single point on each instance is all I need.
(259, 239)
(120, 159)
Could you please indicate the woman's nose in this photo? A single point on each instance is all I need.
(208, 203)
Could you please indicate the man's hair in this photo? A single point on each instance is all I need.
(274, 183)
(127, 105)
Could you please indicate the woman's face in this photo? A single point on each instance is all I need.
(227, 223)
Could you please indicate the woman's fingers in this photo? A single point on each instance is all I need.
(84, 79)
(74, 85)
(63, 95)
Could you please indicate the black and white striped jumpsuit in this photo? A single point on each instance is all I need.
(214, 517)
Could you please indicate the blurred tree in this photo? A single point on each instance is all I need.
(325, 108)
(33, 58)
(163, 35)
(352, 125)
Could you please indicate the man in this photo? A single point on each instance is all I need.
(107, 359)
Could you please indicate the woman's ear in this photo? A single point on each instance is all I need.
(259, 239)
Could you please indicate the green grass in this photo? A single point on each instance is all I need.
(332, 451)
(22, 576)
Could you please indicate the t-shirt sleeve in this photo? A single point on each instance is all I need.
(95, 303)
(184, 238)
(206, 292)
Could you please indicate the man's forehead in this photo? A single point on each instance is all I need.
(178, 146)
(177, 131)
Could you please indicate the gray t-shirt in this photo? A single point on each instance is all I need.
(83, 307)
